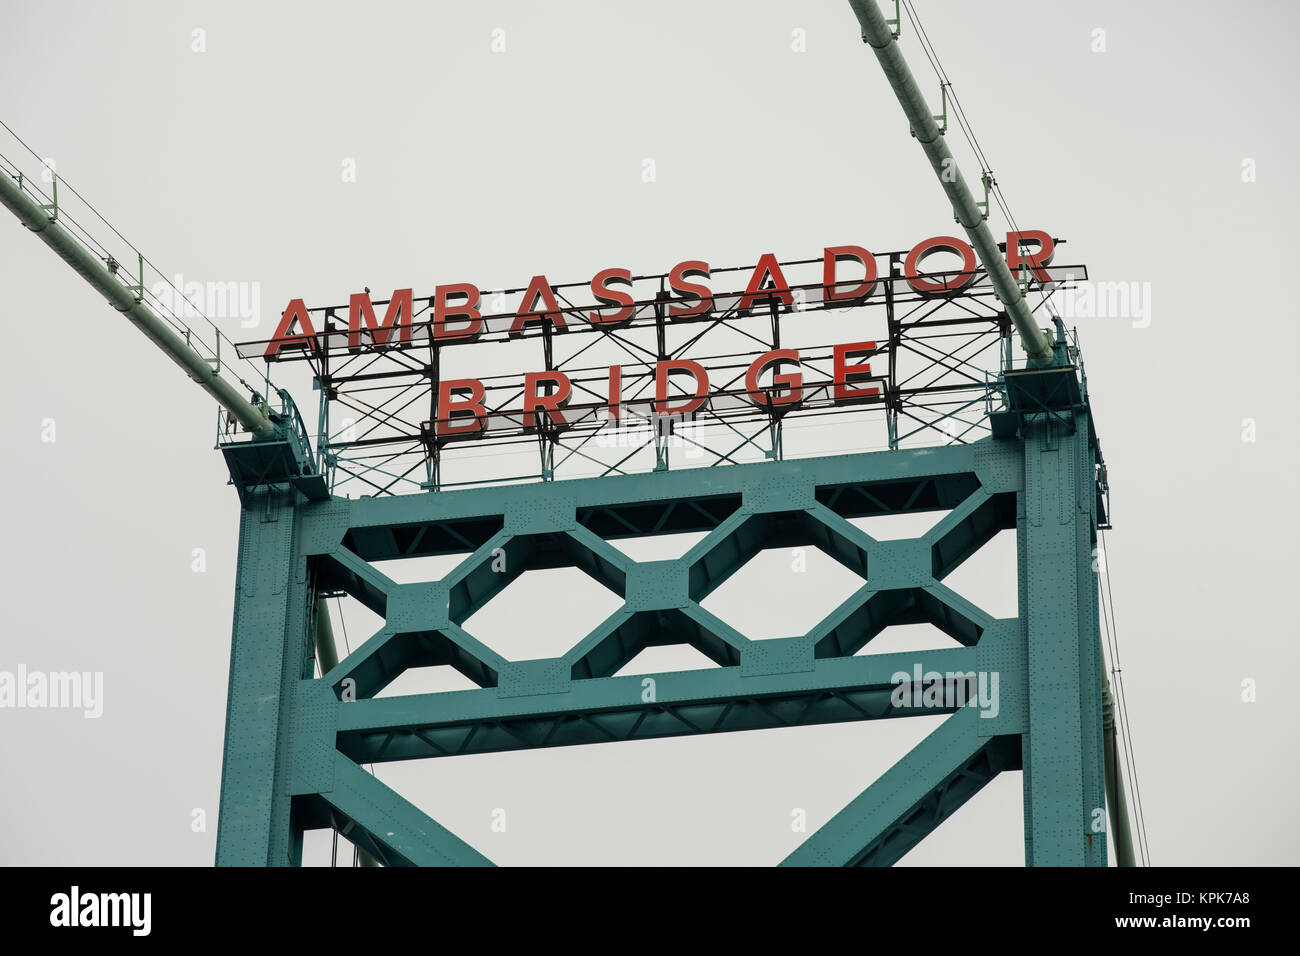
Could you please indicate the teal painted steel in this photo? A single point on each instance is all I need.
(912, 797)
(1064, 777)
(294, 743)
(387, 827)
(268, 660)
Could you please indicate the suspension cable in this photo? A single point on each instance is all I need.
(101, 251)
(968, 131)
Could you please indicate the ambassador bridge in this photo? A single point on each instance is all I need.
(975, 401)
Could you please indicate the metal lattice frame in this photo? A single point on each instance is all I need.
(935, 357)
(293, 745)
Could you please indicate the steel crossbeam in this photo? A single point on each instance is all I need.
(295, 742)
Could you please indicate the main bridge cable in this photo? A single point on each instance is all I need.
(959, 112)
(172, 335)
(878, 35)
(968, 130)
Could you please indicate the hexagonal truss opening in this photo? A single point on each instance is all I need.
(782, 592)
(665, 659)
(901, 526)
(529, 552)
(658, 547)
(764, 532)
(988, 577)
(854, 630)
(631, 635)
(400, 653)
(431, 679)
(542, 613)
(429, 567)
(906, 638)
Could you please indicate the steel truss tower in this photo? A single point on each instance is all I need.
(294, 743)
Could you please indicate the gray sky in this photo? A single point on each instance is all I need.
(225, 165)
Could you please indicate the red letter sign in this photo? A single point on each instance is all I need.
(538, 288)
(845, 394)
(296, 311)
(398, 315)
(470, 414)
(832, 257)
(692, 404)
(600, 288)
(1036, 260)
(754, 292)
(677, 281)
(550, 404)
(929, 247)
(468, 310)
(792, 382)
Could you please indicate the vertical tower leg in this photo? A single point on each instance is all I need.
(1064, 769)
(269, 652)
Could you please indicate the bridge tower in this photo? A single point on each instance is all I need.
(1018, 450)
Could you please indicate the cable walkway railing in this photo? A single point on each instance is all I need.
(138, 275)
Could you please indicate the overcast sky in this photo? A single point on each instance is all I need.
(1161, 147)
